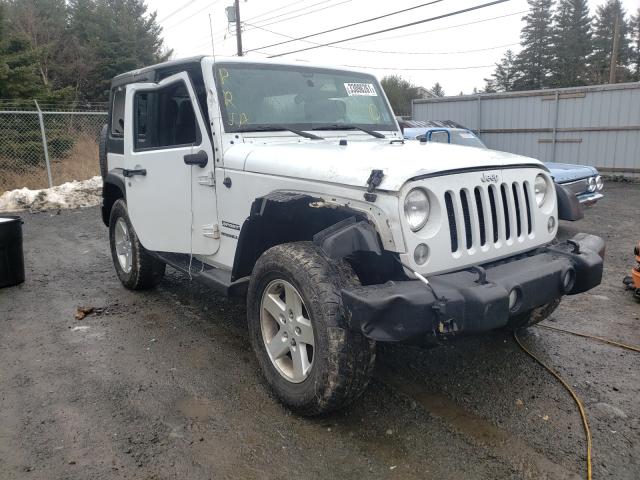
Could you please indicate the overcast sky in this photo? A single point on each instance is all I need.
(459, 53)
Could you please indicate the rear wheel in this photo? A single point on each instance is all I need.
(136, 268)
(311, 359)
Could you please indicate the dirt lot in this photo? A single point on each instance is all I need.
(163, 384)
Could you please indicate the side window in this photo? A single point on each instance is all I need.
(117, 113)
(165, 118)
(439, 137)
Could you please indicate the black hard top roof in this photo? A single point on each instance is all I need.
(148, 73)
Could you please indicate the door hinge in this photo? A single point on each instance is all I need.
(208, 180)
(211, 231)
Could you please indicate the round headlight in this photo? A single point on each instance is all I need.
(416, 209)
(540, 188)
(591, 184)
(599, 182)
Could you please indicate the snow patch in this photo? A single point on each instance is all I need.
(86, 193)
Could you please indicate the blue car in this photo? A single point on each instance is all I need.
(584, 181)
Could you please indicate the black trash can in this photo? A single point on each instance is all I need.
(11, 255)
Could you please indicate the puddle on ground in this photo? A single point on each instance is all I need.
(502, 443)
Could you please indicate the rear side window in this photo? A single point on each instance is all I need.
(117, 113)
(164, 118)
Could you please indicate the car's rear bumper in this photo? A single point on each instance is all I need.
(462, 301)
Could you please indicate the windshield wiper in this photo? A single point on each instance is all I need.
(349, 126)
(281, 128)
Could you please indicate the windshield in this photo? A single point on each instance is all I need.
(256, 96)
(458, 137)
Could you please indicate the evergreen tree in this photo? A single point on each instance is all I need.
(504, 76)
(18, 67)
(635, 40)
(437, 90)
(43, 24)
(400, 92)
(118, 35)
(535, 61)
(603, 39)
(572, 43)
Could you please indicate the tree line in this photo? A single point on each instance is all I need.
(68, 50)
(564, 46)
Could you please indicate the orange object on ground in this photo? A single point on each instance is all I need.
(633, 282)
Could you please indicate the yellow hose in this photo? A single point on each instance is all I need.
(633, 348)
(583, 414)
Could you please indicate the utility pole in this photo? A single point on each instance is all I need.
(239, 28)
(614, 52)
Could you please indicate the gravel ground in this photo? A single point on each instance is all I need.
(163, 384)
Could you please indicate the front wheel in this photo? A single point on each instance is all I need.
(311, 359)
(136, 268)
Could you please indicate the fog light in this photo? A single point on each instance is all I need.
(568, 280)
(551, 224)
(514, 299)
(421, 254)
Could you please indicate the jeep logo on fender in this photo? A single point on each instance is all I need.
(489, 177)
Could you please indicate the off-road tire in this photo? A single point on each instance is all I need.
(102, 151)
(343, 359)
(533, 316)
(146, 270)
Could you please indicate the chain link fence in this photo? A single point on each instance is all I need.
(46, 145)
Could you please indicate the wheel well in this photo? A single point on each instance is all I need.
(284, 217)
(111, 191)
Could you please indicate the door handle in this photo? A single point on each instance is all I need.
(201, 159)
(131, 173)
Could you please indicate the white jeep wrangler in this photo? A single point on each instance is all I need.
(291, 185)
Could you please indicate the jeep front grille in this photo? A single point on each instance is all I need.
(488, 214)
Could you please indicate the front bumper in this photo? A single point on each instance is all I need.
(587, 198)
(465, 302)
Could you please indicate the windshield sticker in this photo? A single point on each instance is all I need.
(467, 135)
(360, 89)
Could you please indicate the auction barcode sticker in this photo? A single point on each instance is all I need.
(365, 89)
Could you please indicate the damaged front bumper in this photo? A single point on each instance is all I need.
(478, 299)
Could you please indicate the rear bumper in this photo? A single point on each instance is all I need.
(404, 310)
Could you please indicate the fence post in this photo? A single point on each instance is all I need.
(479, 120)
(555, 127)
(44, 144)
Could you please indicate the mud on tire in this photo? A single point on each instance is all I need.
(146, 270)
(343, 360)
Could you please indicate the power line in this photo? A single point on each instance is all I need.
(419, 69)
(309, 12)
(191, 16)
(178, 10)
(444, 28)
(387, 51)
(353, 24)
(390, 29)
(298, 2)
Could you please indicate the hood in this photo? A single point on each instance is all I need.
(351, 164)
(566, 172)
